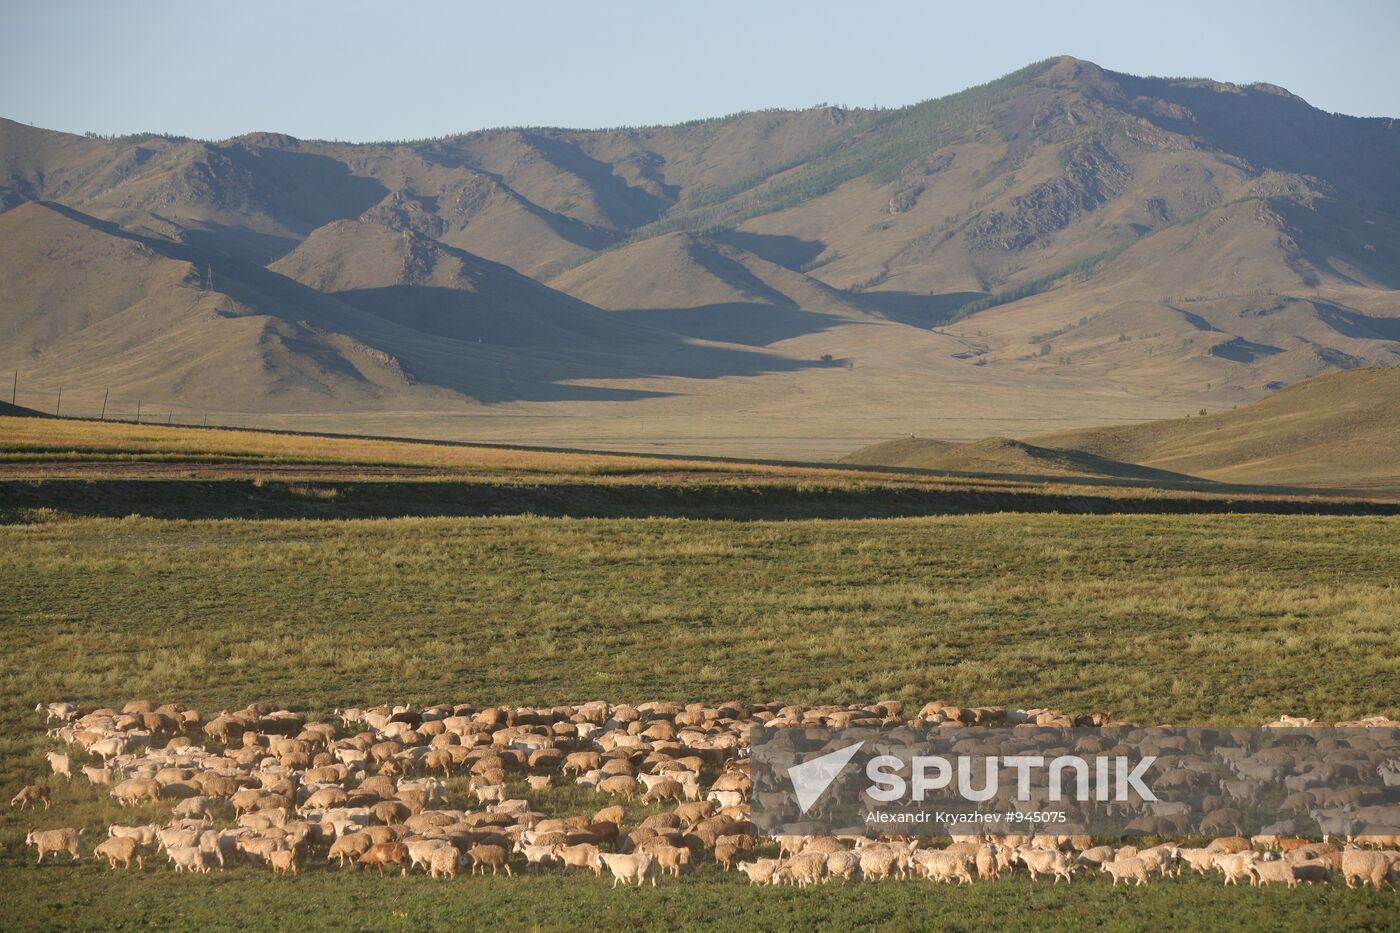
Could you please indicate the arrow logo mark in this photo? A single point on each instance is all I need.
(811, 778)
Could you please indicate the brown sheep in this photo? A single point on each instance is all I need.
(580, 856)
(619, 784)
(613, 814)
(386, 853)
(283, 862)
(134, 790)
(496, 857)
(664, 790)
(119, 849)
(350, 846)
(54, 840)
(31, 794)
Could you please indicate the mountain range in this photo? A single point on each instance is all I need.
(1065, 247)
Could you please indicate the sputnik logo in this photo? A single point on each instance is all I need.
(811, 778)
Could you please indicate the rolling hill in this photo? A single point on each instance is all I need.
(1341, 429)
(1063, 247)
(1338, 430)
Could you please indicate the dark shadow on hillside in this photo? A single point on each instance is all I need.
(916, 308)
(247, 499)
(1274, 130)
(752, 324)
(624, 205)
(788, 251)
(1351, 323)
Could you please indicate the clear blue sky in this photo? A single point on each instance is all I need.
(360, 71)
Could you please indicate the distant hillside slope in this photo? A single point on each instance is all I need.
(416, 281)
(1001, 455)
(703, 288)
(1341, 429)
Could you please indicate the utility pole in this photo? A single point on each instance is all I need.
(103, 416)
(170, 417)
(138, 411)
(58, 406)
(14, 391)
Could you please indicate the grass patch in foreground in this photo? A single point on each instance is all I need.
(1191, 618)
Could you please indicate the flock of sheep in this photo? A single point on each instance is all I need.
(267, 786)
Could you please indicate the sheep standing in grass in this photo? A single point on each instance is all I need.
(54, 840)
(119, 849)
(1276, 871)
(1235, 866)
(385, 853)
(1126, 869)
(60, 763)
(443, 862)
(32, 794)
(283, 862)
(1368, 867)
(492, 856)
(1044, 862)
(638, 867)
(760, 871)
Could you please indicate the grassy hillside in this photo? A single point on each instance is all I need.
(1002, 455)
(1341, 430)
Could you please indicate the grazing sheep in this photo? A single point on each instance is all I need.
(671, 859)
(189, 858)
(540, 856)
(1235, 866)
(489, 793)
(60, 763)
(941, 865)
(443, 862)
(1128, 868)
(1274, 872)
(349, 847)
(760, 871)
(144, 835)
(385, 853)
(97, 776)
(842, 864)
(1200, 860)
(878, 862)
(1361, 866)
(196, 807)
(283, 862)
(31, 794)
(537, 781)
(63, 712)
(638, 867)
(619, 784)
(119, 849)
(1044, 862)
(664, 790)
(494, 856)
(134, 790)
(54, 840)
(581, 855)
(802, 870)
